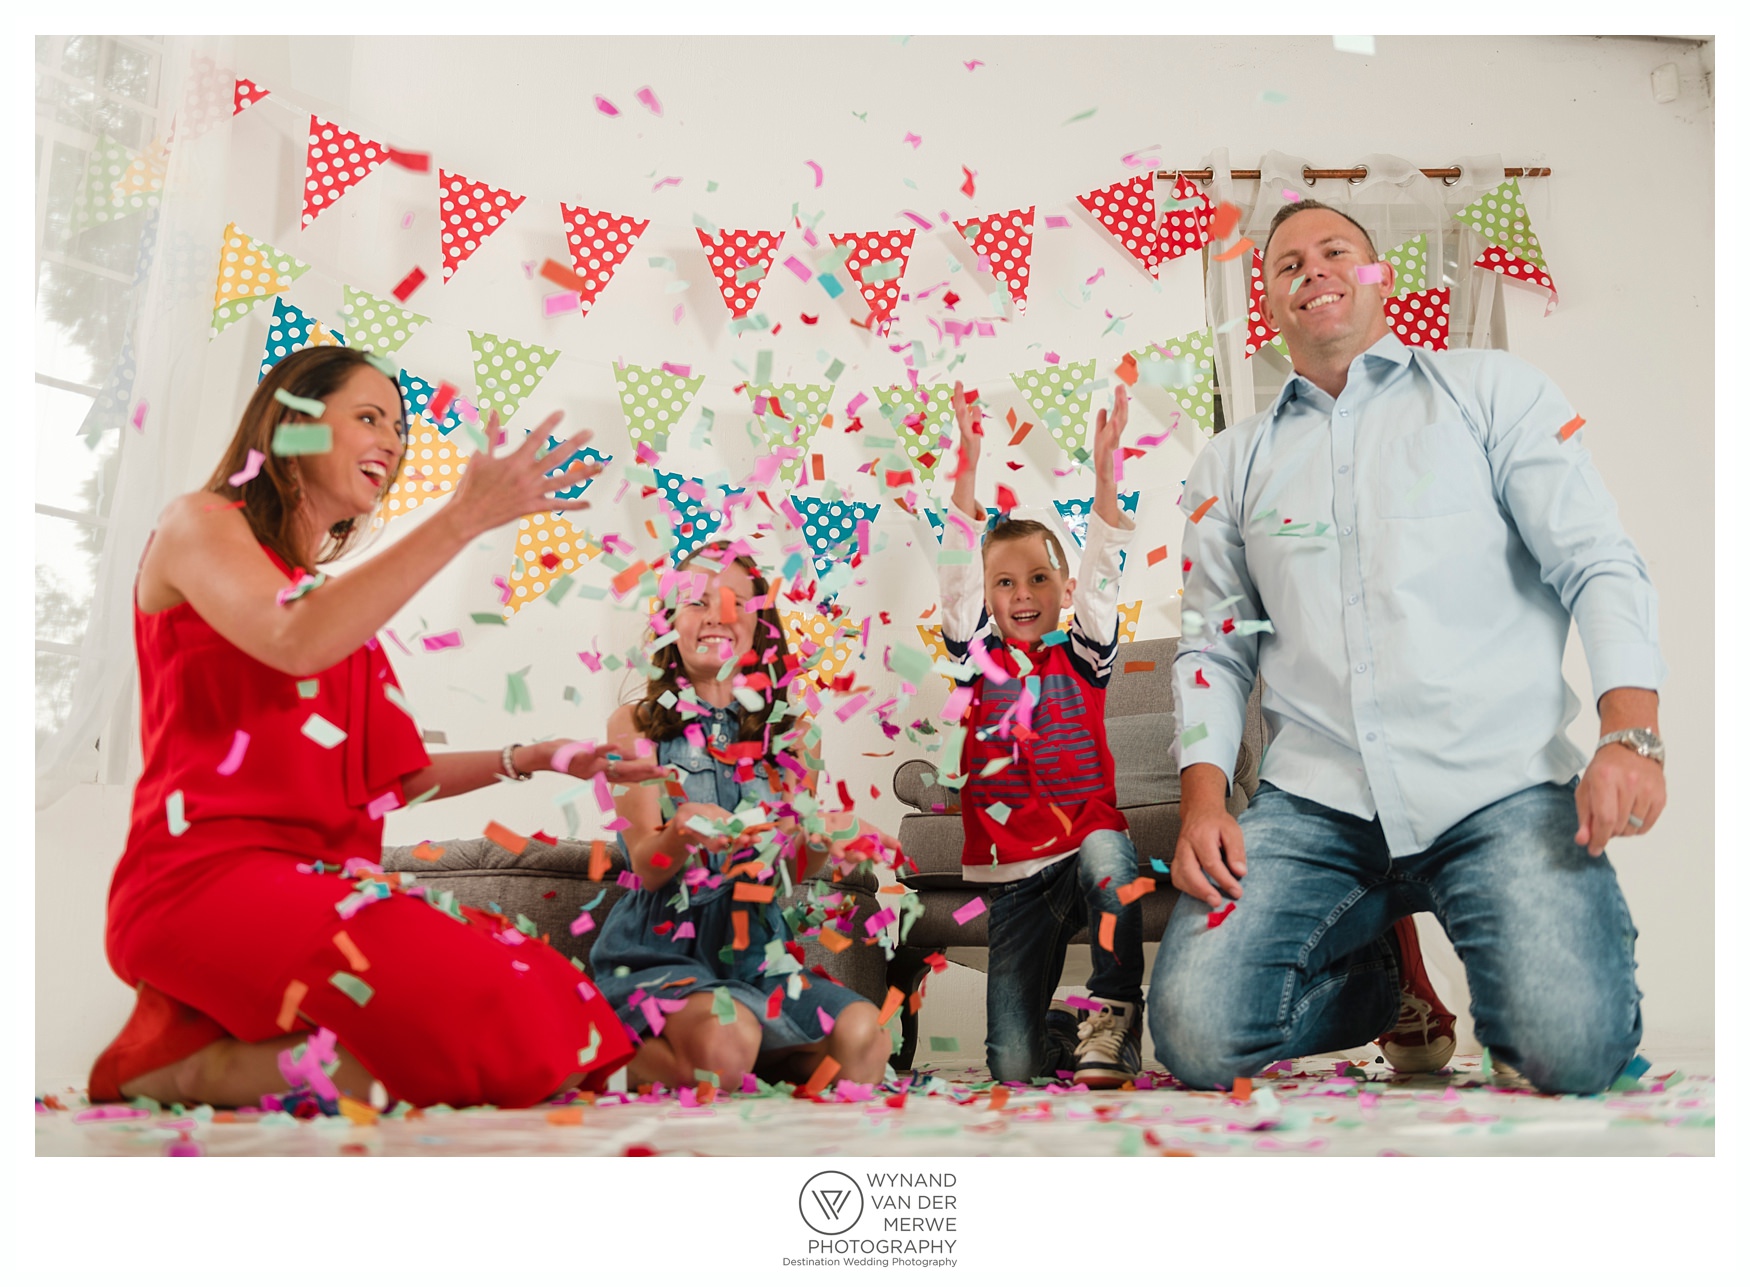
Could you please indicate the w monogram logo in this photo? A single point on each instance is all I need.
(831, 1203)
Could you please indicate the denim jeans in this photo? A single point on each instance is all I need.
(1304, 965)
(1031, 923)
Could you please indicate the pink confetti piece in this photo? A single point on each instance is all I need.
(802, 270)
(1290, 195)
(604, 107)
(1081, 1003)
(385, 803)
(604, 794)
(686, 929)
(1098, 273)
(682, 371)
(680, 311)
(587, 990)
(407, 220)
(561, 302)
(917, 218)
(825, 1019)
(437, 643)
(983, 264)
(570, 751)
(915, 141)
(647, 96)
(1051, 357)
(819, 174)
(668, 181)
(1056, 221)
(234, 757)
(1372, 274)
(250, 469)
(967, 911)
(139, 416)
(582, 925)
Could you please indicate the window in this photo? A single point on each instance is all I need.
(98, 133)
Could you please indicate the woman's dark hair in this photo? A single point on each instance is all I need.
(271, 499)
(771, 658)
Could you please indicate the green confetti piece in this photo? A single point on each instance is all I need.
(1272, 96)
(559, 589)
(422, 797)
(1421, 485)
(309, 406)
(308, 688)
(834, 371)
(177, 823)
(379, 324)
(653, 402)
(323, 733)
(762, 367)
(527, 927)
(1253, 628)
(998, 812)
(506, 371)
(302, 440)
(516, 692)
(1410, 262)
(354, 987)
(488, 618)
(1193, 735)
(944, 1045)
(751, 273)
(723, 1005)
(1081, 116)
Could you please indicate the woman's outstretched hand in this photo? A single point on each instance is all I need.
(495, 490)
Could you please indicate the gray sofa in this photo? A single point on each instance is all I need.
(1139, 730)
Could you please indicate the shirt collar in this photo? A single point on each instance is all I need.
(1388, 351)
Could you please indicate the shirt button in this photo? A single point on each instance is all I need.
(1347, 530)
(1342, 413)
(1360, 668)
(1354, 598)
(1373, 737)
(1342, 469)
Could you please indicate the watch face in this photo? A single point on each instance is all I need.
(1640, 740)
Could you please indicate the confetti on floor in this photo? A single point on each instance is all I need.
(1316, 1107)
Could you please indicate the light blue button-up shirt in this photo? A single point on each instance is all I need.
(1417, 546)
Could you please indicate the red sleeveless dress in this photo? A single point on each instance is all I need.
(216, 902)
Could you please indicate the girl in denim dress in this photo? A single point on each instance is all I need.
(704, 929)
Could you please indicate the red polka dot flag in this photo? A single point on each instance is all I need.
(471, 212)
(731, 251)
(1421, 318)
(1005, 241)
(1183, 231)
(1499, 260)
(1258, 331)
(598, 242)
(337, 158)
(1127, 211)
(876, 263)
(247, 93)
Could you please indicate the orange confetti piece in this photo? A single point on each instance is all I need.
(357, 1113)
(629, 577)
(890, 1007)
(650, 526)
(818, 463)
(355, 959)
(1025, 429)
(599, 862)
(1157, 554)
(1128, 894)
(832, 940)
(1108, 924)
(1242, 1089)
(1234, 251)
(1133, 667)
(296, 991)
(1227, 218)
(726, 597)
(999, 1096)
(748, 892)
(1198, 513)
(565, 1117)
(1127, 370)
(505, 838)
(824, 1072)
(1063, 818)
(740, 921)
(560, 275)
(427, 852)
(1571, 428)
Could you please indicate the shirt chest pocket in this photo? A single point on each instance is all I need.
(1432, 470)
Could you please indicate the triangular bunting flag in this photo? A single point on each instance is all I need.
(249, 272)
(824, 646)
(1410, 262)
(1499, 260)
(1128, 615)
(685, 500)
(471, 212)
(876, 262)
(143, 180)
(735, 255)
(98, 200)
(598, 242)
(1500, 217)
(1004, 246)
(431, 470)
(292, 329)
(582, 453)
(1422, 318)
(830, 527)
(1060, 398)
(1075, 514)
(653, 402)
(378, 324)
(1258, 331)
(932, 637)
(335, 160)
(920, 417)
(247, 94)
(1185, 367)
(548, 546)
(506, 371)
(792, 421)
(416, 396)
(1126, 209)
(1187, 228)
(208, 90)
(936, 521)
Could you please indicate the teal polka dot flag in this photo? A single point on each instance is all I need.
(416, 394)
(582, 453)
(686, 501)
(830, 527)
(291, 329)
(1075, 511)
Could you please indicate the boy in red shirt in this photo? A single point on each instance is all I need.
(1039, 800)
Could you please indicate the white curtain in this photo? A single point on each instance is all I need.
(161, 365)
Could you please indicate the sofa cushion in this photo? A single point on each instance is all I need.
(1142, 753)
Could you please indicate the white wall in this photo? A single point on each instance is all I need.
(1631, 344)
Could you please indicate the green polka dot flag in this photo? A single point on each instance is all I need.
(378, 324)
(1410, 262)
(1169, 364)
(1047, 391)
(97, 201)
(653, 402)
(933, 402)
(506, 371)
(1500, 217)
(802, 406)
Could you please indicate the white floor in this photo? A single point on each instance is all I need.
(1319, 1107)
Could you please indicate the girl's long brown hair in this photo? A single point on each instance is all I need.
(770, 648)
(272, 498)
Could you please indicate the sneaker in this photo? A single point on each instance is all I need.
(1422, 1039)
(1061, 1039)
(1110, 1051)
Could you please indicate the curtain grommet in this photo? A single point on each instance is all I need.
(1451, 180)
(1357, 178)
(1306, 176)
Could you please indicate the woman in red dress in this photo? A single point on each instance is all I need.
(248, 909)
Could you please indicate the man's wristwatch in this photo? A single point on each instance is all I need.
(1642, 741)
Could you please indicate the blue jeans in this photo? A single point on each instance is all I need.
(1304, 965)
(1031, 923)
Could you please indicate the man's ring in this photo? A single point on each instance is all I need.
(1635, 822)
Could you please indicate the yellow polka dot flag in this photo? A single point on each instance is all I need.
(433, 467)
(249, 272)
(548, 546)
(834, 642)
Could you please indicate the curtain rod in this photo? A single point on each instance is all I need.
(1448, 175)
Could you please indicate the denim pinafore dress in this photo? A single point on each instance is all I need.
(644, 936)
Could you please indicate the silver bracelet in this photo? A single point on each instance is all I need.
(507, 757)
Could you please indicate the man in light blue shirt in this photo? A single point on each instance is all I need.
(1397, 545)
